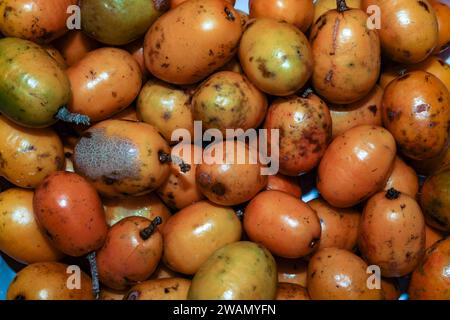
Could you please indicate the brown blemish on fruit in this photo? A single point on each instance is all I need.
(423, 5)
(422, 108)
(373, 109)
(230, 15)
(218, 189)
(263, 68)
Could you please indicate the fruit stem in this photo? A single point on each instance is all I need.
(392, 194)
(341, 5)
(147, 232)
(65, 115)
(166, 158)
(94, 274)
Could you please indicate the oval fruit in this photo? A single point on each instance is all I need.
(283, 224)
(191, 41)
(356, 165)
(238, 271)
(196, 232)
(435, 200)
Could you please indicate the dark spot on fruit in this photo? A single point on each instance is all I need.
(218, 189)
(114, 94)
(373, 109)
(423, 5)
(402, 206)
(211, 53)
(108, 180)
(134, 295)
(432, 125)
(230, 15)
(167, 115)
(264, 70)
(422, 108)
(393, 115)
(7, 11)
(165, 65)
(392, 194)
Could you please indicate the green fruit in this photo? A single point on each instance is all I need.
(32, 85)
(435, 200)
(238, 271)
(118, 22)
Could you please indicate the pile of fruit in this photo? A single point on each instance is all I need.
(95, 203)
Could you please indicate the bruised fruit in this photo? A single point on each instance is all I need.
(117, 22)
(346, 55)
(181, 189)
(338, 274)
(227, 100)
(189, 42)
(392, 233)
(356, 165)
(70, 213)
(33, 86)
(238, 271)
(275, 56)
(160, 289)
(283, 224)
(28, 155)
(304, 126)
(416, 110)
(20, 235)
(435, 200)
(40, 21)
(408, 29)
(131, 253)
(104, 82)
(230, 178)
(48, 281)
(122, 158)
(299, 13)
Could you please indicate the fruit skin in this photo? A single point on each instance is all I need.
(304, 126)
(290, 291)
(176, 3)
(292, 271)
(30, 103)
(20, 235)
(116, 22)
(430, 280)
(322, 6)
(228, 100)
(364, 111)
(283, 183)
(283, 224)
(403, 178)
(127, 257)
(165, 107)
(392, 233)
(339, 227)
(346, 56)
(160, 289)
(48, 281)
(416, 110)
(104, 82)
(196, 232)
(28, 155)
(226, 181)
(275, 56)
(121, 158)
(75, 45)
(442, 12)
(238, 271)
(338, 274)
(70, 213)
(147, 206)
(356, 165)
(299, 13)
(39, 21)
(409, 29)
(191, 41)
(435, 200)
(432, 236)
